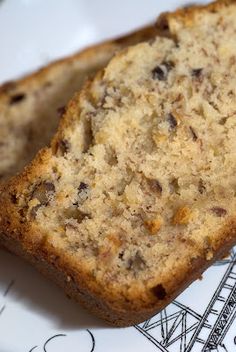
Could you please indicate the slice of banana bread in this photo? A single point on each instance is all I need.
(30, 108)
(137, 194)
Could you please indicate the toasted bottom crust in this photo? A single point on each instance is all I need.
(120, 318)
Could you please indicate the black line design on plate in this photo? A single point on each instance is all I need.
(230, 259)
(50, 339)
(33, 348)
(93, 340)
(221, 310)
(179, 328)
(45, 346)
(2, 309)
(5, 293)
(12, 282)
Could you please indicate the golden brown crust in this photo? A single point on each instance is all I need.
(80, 286)
(18, 237)
(185, 17)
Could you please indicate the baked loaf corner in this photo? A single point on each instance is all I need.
(136, 195)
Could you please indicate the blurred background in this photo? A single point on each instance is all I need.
(35, 32)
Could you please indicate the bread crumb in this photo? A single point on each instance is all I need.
(182, 216)
(68, 278)
(209, 255)
(153, 225)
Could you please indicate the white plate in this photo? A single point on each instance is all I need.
(34, 314)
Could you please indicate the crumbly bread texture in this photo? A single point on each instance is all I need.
(30, 108)
(136, 196)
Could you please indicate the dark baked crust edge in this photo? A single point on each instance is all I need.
(74, 283)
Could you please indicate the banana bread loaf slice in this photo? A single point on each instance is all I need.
(30, 108)
(137, 194)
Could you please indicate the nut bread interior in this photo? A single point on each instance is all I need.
(137, 194)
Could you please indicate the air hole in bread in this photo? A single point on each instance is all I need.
(17, 98)
(159, 291)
